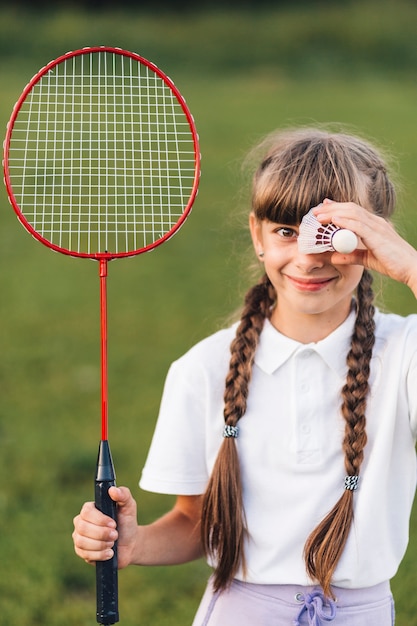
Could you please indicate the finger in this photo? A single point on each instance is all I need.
(351, 216)
(88, 545)
(92, 556)
(92, 548)
(99, 532)
(330, 211)
(371, 229)
(90, 513)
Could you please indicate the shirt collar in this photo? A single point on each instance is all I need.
(274, 349)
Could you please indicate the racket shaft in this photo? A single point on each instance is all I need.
(106, 571)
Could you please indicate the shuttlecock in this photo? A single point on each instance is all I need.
(316, 237)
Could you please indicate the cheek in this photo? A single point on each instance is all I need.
(277, 253)
(354, 275)
(274, 262)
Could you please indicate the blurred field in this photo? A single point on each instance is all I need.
(242, 74)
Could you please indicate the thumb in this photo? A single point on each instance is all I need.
(123, 498)
(357, 257)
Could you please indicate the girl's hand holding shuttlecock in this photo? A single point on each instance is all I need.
(380, 247)
(315, 237)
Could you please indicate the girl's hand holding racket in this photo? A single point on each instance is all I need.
(95, 534)
(171, 539)
(381, 248)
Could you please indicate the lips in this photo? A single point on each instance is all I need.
(311, 284)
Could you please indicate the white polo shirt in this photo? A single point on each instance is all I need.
(290, 446)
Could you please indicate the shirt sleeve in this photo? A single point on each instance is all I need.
(176, 462)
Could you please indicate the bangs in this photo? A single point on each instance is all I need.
(292, 181)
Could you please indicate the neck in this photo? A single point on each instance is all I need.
(308, 328)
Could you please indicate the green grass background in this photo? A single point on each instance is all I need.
(243, 73)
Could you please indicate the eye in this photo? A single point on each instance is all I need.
(286, 232)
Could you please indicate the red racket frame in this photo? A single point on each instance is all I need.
(104, 257)
(190, 119)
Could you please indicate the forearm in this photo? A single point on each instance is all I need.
(170, 540)
(410, 267)
(412, 283)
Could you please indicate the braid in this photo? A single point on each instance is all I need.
(223, 525)
(325, 545)
(257, 307)
(357, 386)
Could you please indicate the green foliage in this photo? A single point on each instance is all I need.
(243, 74)
(298, 38)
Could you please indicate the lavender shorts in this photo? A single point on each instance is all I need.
(245, 604)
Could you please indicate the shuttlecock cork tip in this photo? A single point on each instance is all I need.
(344, 241)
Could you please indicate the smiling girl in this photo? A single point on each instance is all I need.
(289, 438)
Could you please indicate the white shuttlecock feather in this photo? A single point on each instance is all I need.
(316, 237)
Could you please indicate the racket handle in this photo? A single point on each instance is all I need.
(106, 571)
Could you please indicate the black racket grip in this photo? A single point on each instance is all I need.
(106, 571)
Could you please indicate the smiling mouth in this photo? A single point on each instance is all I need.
(309, 284)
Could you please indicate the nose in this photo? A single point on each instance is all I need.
(310, 262)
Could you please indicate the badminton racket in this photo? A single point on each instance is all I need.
(101, 161)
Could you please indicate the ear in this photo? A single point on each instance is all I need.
(255, 226)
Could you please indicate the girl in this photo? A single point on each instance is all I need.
(290, 437)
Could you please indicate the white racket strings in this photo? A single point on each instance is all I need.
(101, 156)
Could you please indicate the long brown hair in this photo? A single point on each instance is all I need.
(299, 168)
